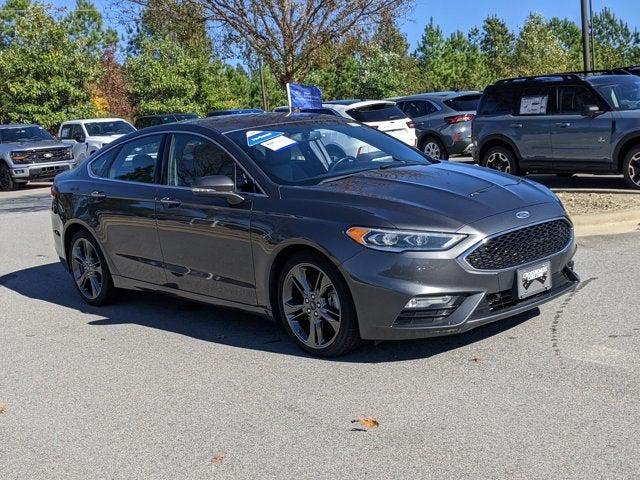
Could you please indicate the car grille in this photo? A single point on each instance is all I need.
(521, 246)
(44, 156)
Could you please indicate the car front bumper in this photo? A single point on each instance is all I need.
(383, 283)
(40, 171)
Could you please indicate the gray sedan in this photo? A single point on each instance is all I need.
(253, 212)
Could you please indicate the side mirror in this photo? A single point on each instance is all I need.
(591, 111)
(217, 186)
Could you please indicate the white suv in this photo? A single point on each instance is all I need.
(87, 136)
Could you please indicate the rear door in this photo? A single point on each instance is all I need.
(206, 242)
(122, 200)
(581, 142)
(531, 126)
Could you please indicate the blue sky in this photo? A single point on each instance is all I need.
(464, 14)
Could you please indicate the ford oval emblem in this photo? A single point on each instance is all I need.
(523, 214)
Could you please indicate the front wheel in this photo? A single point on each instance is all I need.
(501, 159)
(90, 270)
(315, 306)
(631, 167)
(6, 180)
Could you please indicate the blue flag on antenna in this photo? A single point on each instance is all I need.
(303, 96)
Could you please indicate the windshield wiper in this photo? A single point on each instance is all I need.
(340, 177)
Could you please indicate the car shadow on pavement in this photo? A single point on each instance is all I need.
(51, 283)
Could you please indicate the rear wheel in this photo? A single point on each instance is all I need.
(6, 181)
(501, 159)
(90, 270)
(316, 307)
(433, 147)
(631, 167)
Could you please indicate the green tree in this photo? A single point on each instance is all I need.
(46, 72)
(538, 50)
(616, 45)
(430, 58)
(86, 26)
(570, 37)
(497, 43)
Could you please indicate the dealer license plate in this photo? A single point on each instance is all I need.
(534, 279)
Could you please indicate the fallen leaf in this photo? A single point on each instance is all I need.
(4, 407)
(367, 422)
(217, 459)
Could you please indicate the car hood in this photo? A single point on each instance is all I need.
(442, 195)
(32, 145)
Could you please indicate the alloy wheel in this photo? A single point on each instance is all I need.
(311, 305)
(634, 169)
(87, 268)
(499, 161)
(432, 150)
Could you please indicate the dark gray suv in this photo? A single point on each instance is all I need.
(564, 123)
(442, 121)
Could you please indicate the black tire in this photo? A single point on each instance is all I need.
(501, 159)
(631, 167)
(434, 148)
(347, 337)
(107, 292)
(7, 183)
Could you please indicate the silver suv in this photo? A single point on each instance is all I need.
(29, 152)
(562, 123)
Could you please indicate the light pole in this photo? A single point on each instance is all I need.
(586, 36)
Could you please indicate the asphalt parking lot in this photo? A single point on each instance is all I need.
(156, 388)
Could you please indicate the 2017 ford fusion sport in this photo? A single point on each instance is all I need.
(338, 231)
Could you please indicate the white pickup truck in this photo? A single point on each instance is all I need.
(89, 135)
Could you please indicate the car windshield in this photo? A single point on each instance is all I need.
(108, 129)
(308, 153)
(23, 134)
(623, 94)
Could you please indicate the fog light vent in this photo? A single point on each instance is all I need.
(429, 302)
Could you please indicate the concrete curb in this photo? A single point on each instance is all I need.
(607, 223)
(596, 190)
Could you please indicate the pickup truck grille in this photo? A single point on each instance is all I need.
(45, 155)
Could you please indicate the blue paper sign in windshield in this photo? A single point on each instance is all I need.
(258, 137)
(304, 96)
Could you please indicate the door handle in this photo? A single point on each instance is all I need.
(170, 202)
(98, 195)
(516, 125)
(563, 124)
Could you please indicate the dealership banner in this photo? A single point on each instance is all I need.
(303, 96)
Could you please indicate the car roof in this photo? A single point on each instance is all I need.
(439, 95)
(95, 120)
(18, 125)
(230, 123)
(349, 106)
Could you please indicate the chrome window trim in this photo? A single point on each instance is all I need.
(169, 132)
(462, 258)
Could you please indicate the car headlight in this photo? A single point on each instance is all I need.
(403, 240)
(19, 157)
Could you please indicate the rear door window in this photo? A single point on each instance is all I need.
(136, 160)
(379, 112)
(464, 103)
(537, 101)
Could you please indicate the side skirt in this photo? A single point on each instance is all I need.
(138, 285)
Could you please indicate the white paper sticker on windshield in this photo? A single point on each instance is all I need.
(256, 137)
(278, 143)
(535, 105)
